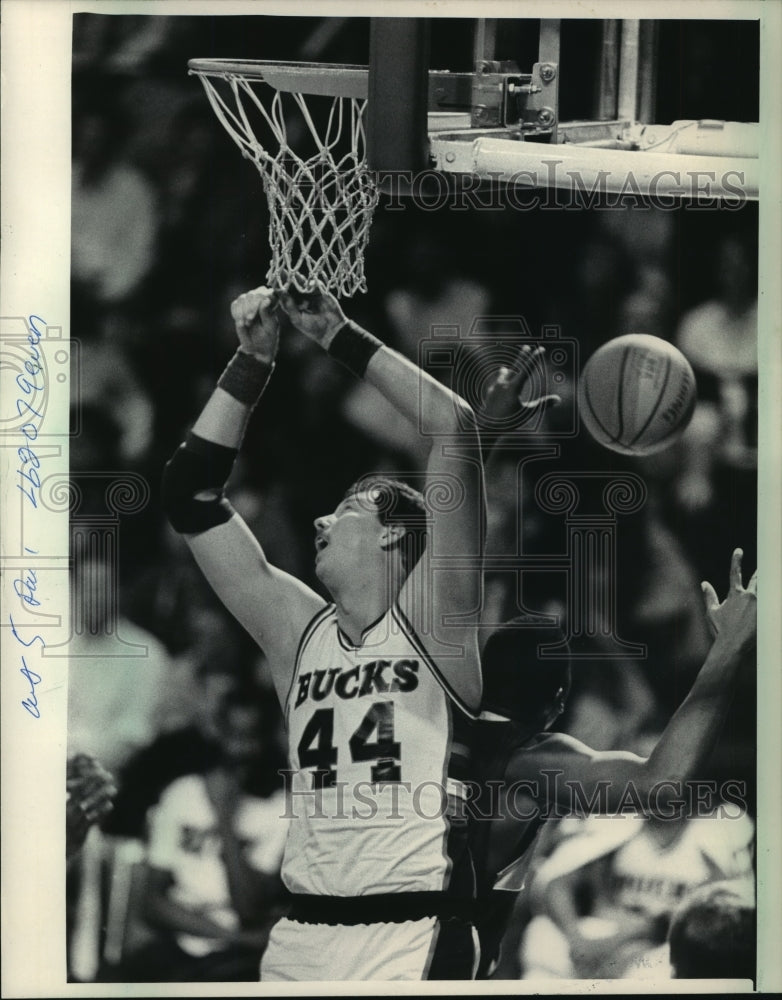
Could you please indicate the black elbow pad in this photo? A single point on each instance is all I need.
(194, 485)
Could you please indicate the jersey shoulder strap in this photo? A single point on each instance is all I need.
(404, 623)
(317, 620)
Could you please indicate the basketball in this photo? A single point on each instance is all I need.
(636, 394)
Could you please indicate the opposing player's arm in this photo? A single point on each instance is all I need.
(443, 602)
(564, 769)
(272, 605)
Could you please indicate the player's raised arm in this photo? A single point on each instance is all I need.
(273, 606)
(689, 738)
(442, 595)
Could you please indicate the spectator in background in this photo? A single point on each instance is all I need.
(608, 893)
(648, 306)
(119, 674)
(166, 595)
(119, 44)
(113, 207)
(108, 390)
(114, 236)
(191, 749)
(712, 933)
(214, 852)
(720, 339)
(90, 792)
(717, 483)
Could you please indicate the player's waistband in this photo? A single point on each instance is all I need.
(379, 908)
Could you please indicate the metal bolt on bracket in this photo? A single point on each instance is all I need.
(547, 72)
(545, 116)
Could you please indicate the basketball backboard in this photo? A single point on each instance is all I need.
(328, 138)
(501, 121)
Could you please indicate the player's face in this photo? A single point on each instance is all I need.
(349, 536)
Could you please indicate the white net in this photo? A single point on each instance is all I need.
(321, 195)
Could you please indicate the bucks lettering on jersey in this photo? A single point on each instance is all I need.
(377, 750)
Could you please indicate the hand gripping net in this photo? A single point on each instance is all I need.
(321, 195)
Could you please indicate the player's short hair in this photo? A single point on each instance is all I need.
(396, 502)
(519, 683)
(712, 933)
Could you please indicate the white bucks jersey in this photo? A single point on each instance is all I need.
(377, 750)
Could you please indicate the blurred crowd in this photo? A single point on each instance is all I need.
(166, 691)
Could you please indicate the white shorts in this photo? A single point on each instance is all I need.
(412, 950)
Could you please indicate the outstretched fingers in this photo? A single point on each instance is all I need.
(731, 615)
(509, 389)
(527, 360)
(511, 378)
(710, 598)
(736, 581)
(541, 402)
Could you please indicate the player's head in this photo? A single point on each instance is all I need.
(377, 516)
(521, 685)
(712, 933)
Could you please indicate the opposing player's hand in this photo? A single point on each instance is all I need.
(736, 616)
(510, 390)
(316, 314)
(256, 317)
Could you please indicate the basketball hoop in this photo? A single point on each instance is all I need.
(320, 192)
